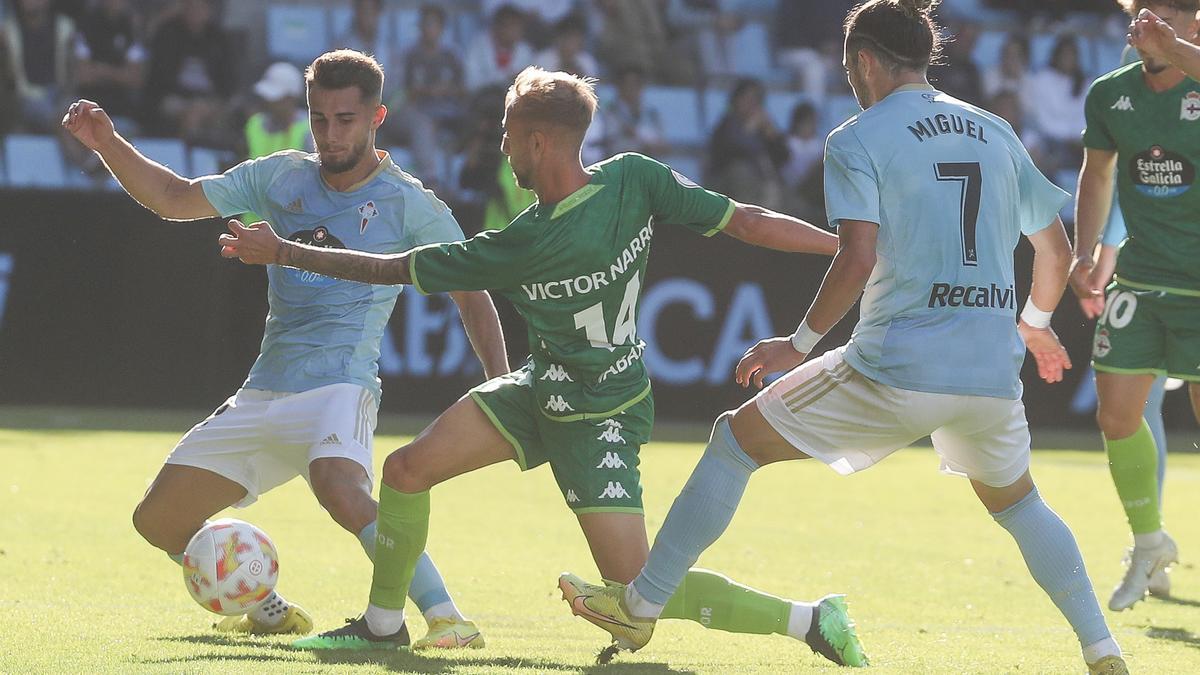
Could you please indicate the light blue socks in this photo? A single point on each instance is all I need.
(1054, 560)
(698, 517)
(427, 589)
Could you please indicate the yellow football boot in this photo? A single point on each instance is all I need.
(447, 633)
(295, 621)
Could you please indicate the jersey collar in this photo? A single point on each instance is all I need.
(385, 163)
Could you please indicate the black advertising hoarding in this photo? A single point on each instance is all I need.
(101, 303)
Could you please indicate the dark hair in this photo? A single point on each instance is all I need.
(343, 68)
(802, 111)
(570, 24)
(744, 86)
(507, 12)
(901, 33)
(1078, 79)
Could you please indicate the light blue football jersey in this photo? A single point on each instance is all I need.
(321, 330)
(952, 189)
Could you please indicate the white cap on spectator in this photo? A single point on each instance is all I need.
(281, 80)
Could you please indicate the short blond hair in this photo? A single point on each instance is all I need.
(553, 98)
(1131, 7)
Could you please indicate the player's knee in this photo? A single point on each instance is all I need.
(1116, 423)
(151, 524)
(401, 473)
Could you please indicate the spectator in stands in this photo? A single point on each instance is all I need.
(567, 53)
(801, 173)
(540, 15)
(8, 88)
(1010, 74)
(369, 33)
(282, 124)
(500, 52)
(111, 59)
(1008, 104)
(629, 125)
(1054, 98)
(486, 171)
(747, 149)
(634, 33)
(433, 95)
(40, 43)
(808, 39)
(957, 74)
(191, 77)
(706, 31)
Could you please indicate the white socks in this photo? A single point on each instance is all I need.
(639, 606)
(1098, 650)
(800, 620)
(443, 610)
(270, 611)
(383, 622)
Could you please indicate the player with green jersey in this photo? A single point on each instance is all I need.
(1143, 122)
(573, 264)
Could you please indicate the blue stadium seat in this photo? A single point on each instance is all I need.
(988, 48)
(715, 101)
(606, 92)
(743, 7)
(170, 152)
(34, 161)
(752, 51)
(408, 29)
(690, 165)
(402, 158)
(204, 162)
(297, 33)
(837, 109)
(680, 108)
(1040, 46)
(780, 104)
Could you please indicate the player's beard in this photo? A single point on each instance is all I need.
(351, 161)
(522, 178)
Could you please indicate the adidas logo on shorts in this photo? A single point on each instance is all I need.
(614, 491)
(331, 439)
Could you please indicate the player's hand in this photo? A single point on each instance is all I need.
(88, 122)
(1152, 36)
(1093, 306)
(255, 244)
(1049, 353)
(768, 356)
(1081, 280)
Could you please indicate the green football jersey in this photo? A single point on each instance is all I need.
(1157, 140)
(575, 271)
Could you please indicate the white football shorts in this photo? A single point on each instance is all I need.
(833, 413)
(262, 439)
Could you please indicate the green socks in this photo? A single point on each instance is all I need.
(715, 601)
(403, 527)
(1133, 462)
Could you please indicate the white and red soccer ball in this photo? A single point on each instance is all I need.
(230, 566)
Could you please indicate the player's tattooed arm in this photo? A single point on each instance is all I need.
(769, 229)
(257, 244)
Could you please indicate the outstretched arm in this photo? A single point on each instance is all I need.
(482, 324)
(153, 185)
(769, 229)
(843, 284)
(257, 244)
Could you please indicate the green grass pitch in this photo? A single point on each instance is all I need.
(935, 586)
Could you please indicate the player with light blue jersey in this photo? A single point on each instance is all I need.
(930, 196)
(322, 330)
(954, 189)
(309, 405)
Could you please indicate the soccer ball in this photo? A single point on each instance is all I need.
(230, 566)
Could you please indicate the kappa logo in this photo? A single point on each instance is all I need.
(611, 433)
(331, 439)
(296, 206)
(614, 491)
(556, 373)
(557, 403)
(572, 497)
(612, 461)
(367, 211)
(1189, 107)
(1123, 103)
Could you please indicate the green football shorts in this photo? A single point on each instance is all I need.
(1148, 332)
(595, 462)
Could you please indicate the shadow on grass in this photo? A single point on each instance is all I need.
(405, 660)
(1184, 602)
(1181, 635)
